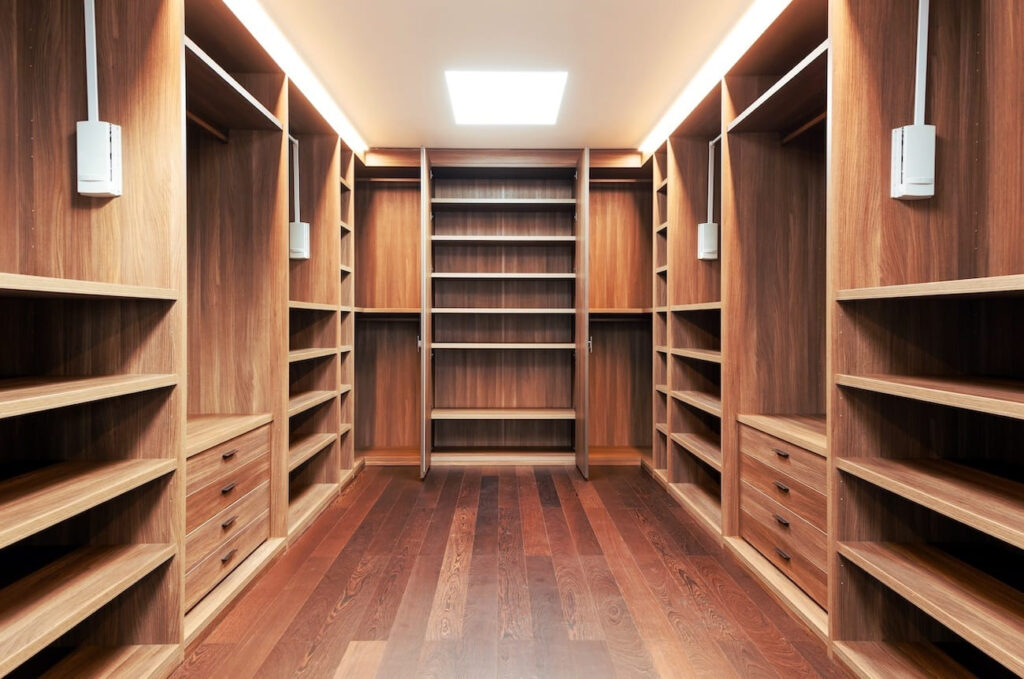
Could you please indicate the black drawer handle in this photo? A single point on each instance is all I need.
(781, 553)
(781, 486)
(781, 453)
(229, 454)
(228, 488)
(780, 520)
(230, 522)
(227, 557)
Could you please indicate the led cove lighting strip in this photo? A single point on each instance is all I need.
(751, 25)
(258, 22)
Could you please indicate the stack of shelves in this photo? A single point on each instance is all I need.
(504, 239)
(388, 311)
(92, 402)
(660, 335)
(928, 402)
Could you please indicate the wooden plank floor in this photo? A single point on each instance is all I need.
(506, 572)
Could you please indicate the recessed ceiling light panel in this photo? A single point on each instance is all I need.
(506, 97)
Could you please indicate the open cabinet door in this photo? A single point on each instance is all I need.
(582, 386)
(426, 304)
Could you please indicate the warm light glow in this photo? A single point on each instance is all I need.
(750, 26)
(266, 32)
(506, 97)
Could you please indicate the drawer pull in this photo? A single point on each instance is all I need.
(781, 453)
(230, 522)
(785, 557)
(781, 521)
(227, 557)
(228, 488)
(781, 486)
(229, 454)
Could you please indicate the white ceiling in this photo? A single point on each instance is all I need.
(384, 62)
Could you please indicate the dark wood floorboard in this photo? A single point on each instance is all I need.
(506, 572)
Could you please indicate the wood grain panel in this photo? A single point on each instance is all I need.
(620, 387)
(388, 245)
(620, 246)
(387, 386)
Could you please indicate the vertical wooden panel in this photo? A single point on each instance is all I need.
(582, 390)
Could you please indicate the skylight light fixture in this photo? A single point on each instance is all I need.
(506, 97)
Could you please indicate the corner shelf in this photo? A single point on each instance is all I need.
(43, 287)
(709, 403)
(503, 414)
(22, 396)
(996, 397)
(218, 99)
(203, 432)
(307, 446)
(40, 499)
(42, 606)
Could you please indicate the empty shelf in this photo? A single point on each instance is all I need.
(661, 428)
(701, 502)
(345, 349)
(707, 448)
(661, 388)
(503, 275)
(970, 287)
(797, 97)
(807, 431)
(983, 501)
(306, 503)
(298, 355)
(35, 501)
(345, 269)
(147, 660)
(700, 306)
(709, 403)
(216, 98)
(302, 402)
(662, 227)
(661, 270)
(388, 311)
(661, 350)
(41, 607)
(518, 346)
(981, 609)
(503, 414)
(307, 446)
(32, 395)
(312, 306)
(203, 432)
(18, 285)
(504, 240)
(345, 186)
(662, 186)
(997, 397)
(908, 660)
(501, 311)
(604, 311)
(345, 227)
(699, 354)
(345, 388)
(491, 204)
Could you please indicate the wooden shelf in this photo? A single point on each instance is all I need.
(389, 311)
(345, 186)
(996, 397)
(41, 607)
(661, 309)
(699, 354)
(148, 660)
(700, 306)
(993, 286)
(797, 97)
(661, 428)
(807, 431)
(299, 355)
(661, 270)
(469, 275)
(345, 349)
(389, 457)
(907, 660)
(43, 287)
(217, 99)
(502, 311)
(345, 388)
(492, 204)
(976, 606)
(983, 501)
(706, 448)
(307, 446)
(203, 432)
(661, 350)
(503, 414)
(661, 227)
(307, 504)
(709, 403)
(661, 388)
(701, 503)
(300, 403)
(662, 186)
(345, 269)
(638, 311)
(504, 240)
(312, 306)
(40, 499)
(345, 227)
(22, 396)
(516, 346)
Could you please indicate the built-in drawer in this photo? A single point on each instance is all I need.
(800, 465)
(218, 565)
(795, 565)
(211, 466)
(798, 534)
(210, 536)
(806, 503)
(202, 505)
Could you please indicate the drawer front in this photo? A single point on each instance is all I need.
(218, 565)
(794, 496)
(211, 466)
(202, 505)
(799, 535)
(799, 464)
(794, 565)
(227, 523)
